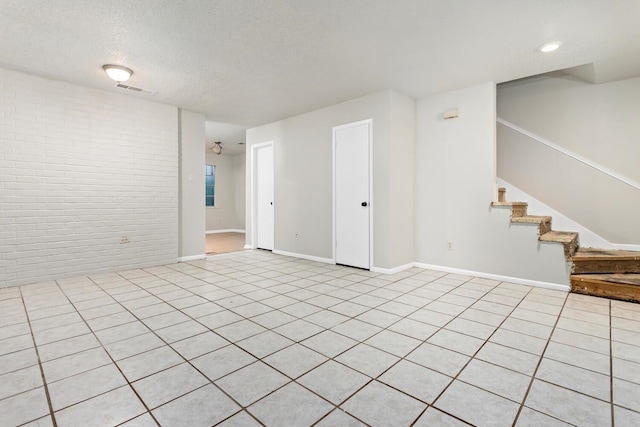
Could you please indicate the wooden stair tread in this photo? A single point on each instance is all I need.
(605, 261)
(592, 254)
(509, 203)
(568, 240)
(626, 278)
(518, 209)
(532, 219)
(559, 236)
(625, 287)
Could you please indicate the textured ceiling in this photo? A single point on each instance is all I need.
(231, 136)
(249, 62)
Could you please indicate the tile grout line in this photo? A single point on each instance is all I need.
(321, 307)
(117, 302)
(433, 404)
(138, 319)
(180, 355)
(212, 382)
(304, 301)
(533, 375)
(294, 380)
(509, 369)
(234, 344)
(613, 417)
(440, 328)
(169, 302)
(400, 318)
(570, 364)
(372, 379)
(35, 346)
(113, 362)
(336, 407)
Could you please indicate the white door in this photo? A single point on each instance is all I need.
(352, 216)
(264, 197)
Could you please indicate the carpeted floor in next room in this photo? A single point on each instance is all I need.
(219, 243)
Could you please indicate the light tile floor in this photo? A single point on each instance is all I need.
(251, 338)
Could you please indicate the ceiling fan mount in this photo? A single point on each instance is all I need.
(217, 147)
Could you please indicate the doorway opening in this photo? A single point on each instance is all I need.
(225, 175)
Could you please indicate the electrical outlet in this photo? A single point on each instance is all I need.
(295, 236)
(450, 246)
(124, 239)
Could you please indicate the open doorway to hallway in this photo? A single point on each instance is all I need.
(225, 188)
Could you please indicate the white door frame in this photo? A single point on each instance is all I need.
(371, 201)
(254, 193)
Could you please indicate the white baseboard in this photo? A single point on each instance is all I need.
(393, 270)
(229, 230)
(191, 258)
(248, 247)
(517, 280)
(626, 247)
(304, 256)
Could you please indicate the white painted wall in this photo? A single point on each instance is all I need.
(192, 171)
(400, 229)
(455, 185)
(228, 214)
(560, 222)
(455, 174)
(433, 183)
(597, 122)
(79, 169)
(239, 179)
(303, 177)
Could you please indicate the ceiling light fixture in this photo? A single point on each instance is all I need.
(117, 72)
(217, 147)
(549, 47)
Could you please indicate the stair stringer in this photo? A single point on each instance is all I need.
(560, 222)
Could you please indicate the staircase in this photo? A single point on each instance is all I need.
(568, 239)
(599, 272)
(606, 273)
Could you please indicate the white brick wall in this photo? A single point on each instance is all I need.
(79, 169)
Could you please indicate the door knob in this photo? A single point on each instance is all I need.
(363, 204)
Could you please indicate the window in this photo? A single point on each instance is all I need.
(210, 185)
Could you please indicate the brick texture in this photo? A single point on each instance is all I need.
(80, 169)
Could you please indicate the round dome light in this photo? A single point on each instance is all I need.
(117, 72)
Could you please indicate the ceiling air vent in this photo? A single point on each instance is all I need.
(134, 89)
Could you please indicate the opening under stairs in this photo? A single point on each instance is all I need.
(599, 272)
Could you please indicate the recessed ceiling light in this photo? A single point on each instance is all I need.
(117, 72)
(549, 47)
